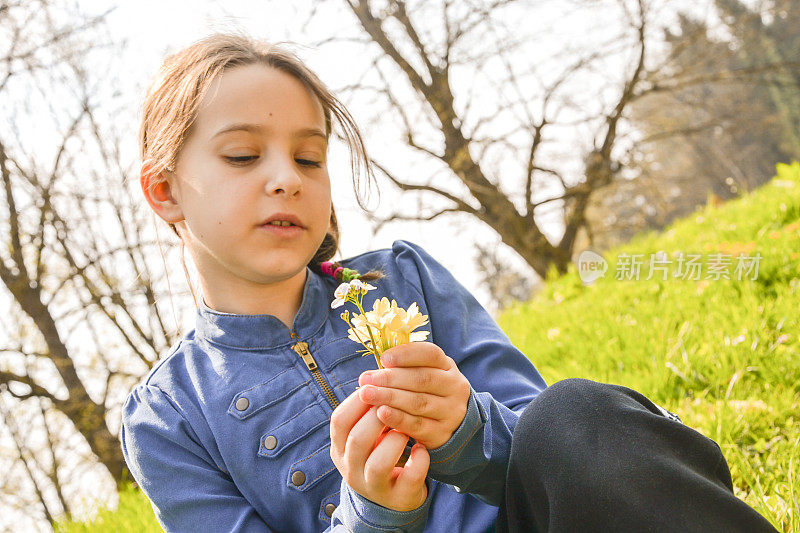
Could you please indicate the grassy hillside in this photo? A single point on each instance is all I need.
(723, 354)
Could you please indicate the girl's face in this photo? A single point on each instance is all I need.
(256, 149)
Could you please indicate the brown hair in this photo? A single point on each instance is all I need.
(173, 98)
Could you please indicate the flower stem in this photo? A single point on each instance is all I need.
(355, 332)
(376, 350)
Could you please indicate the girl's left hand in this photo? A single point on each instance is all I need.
(420, 392)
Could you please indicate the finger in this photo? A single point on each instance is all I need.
(416, 354)
(379, 467)
(384, 432)
(416, 468)
(361, 440)
(343, 419)
(421, 379)
(414, 403)
(421, 428)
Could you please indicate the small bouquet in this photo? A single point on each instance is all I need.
(382, 328)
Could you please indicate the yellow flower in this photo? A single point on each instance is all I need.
(387, 326)
(359, 332)
(383, 327)
(403, 323)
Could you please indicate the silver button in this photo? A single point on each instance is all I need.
(242, 404)
(270, 442)
(298, 478)
(329, 509)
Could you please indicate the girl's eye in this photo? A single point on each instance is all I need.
(241, 158)
(307, 163)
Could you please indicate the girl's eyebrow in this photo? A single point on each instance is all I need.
(256, 128)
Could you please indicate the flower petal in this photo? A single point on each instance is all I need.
(419, 336)
(342, 291)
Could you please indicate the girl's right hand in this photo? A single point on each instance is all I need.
(369, 468)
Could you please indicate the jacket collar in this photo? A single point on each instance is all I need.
(266, 331)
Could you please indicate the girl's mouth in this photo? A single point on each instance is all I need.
(282, 230)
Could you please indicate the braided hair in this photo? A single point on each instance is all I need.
(321, 262)
(338, 272)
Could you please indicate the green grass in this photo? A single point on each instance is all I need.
(723, 354)
(133, 515)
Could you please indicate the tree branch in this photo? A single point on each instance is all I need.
(401, 216)
(18, 440)
(37, 391)
(462, 205)
(361, 9)
(535, 142)
(401, 15)
(13, 218)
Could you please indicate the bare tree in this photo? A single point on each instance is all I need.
(427, 60)
(86, 314)
(420, 48)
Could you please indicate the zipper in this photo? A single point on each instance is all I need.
(302, 350)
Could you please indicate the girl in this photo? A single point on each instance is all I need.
(252, 422)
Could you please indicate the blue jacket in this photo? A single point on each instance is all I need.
(230, 431)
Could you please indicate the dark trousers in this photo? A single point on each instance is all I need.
(588, 456)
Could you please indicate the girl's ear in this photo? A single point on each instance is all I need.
(159, 194)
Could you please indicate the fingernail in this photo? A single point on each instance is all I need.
(369, 393)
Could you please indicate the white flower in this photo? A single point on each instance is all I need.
(340, 295)
(346, 290)
(358, 285)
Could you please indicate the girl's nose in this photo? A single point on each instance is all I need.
(284, 179)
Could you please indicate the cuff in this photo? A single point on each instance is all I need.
(450, 457)
(359, 514)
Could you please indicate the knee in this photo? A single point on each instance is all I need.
(569, 416)
(586, 401)
(580, 416)
(568, 401)
(572, 390)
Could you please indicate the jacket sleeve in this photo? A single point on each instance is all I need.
(503, 380)
(360, 515)
(185, 487)
(187, 490)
